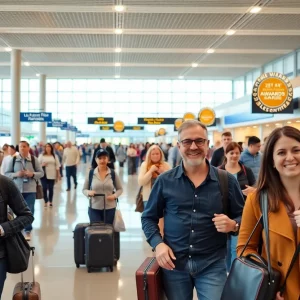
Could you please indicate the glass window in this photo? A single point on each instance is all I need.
(179, 86)
(51, 97)
(268, 68)
(6, 106)
(79, 85)
(108, 85)
(51, 107)
(123, 107)
(136, 97)
(79, 97)
(80, 119)
(193, 86)
(249, 83)
(164, 85)
(256, 74)
(222, 98)
(6, 97)
(24, 85)
(288, 64)
(136, 85)
(208, 99)
(108, 97)
(107, 109)
(93, 85)
(33, 106)
(193, 97)
(150, 85)
(51, 85)
(192, 107)
(93, 97)
(208, 86)
(164, 97)
(34, 97)
(34, 85)
(239, 87)
(65, 97)
(150, 108)
(24, 97)
(179, 97)
(278, 66)
(24, 106)
(79, 107)
(136, 107)
(122, 86)
(224, 86)
(122, 97)
(178, 108)
(65, 85)
(6, 85)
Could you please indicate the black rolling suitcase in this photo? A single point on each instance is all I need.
(99, 244)
(79, 243)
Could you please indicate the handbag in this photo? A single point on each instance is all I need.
(119, 225)
(251, 277)
(139, 201)
(17, 253)
(39, 191)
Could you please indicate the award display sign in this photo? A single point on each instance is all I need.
(207, 116)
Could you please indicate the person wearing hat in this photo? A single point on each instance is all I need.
(102, 183)
(112, 158)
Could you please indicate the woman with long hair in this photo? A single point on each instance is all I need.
(246, 180)
(151, 168)
(280, 178)
(51, 166)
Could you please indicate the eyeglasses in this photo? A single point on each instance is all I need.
(188, 142)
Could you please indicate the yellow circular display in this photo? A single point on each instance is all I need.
(161, 131)
(189, 116)
(178, 123)
(119, 126)
(207, 116)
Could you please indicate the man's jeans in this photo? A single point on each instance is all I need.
(2, 274)
(209, 281)
(231, 251)
(71, 171)
(30, 200)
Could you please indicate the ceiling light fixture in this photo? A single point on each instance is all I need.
(118, 64)
(210, 50)
(289, 122)
(278, 124)
(37, 75)
(194, 65)
(298, 121)
(119, 8)
(117, 76)
(118, 31)
(26, 63)
(180, 77)
(118, 50)
(230, 32)
(255, 10)
(7, 49)
(267, 125)
(254, 126)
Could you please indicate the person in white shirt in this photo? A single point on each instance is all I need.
(131, 154)
(11, 153)
(71, 159)
(50, 163)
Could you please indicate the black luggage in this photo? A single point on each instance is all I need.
(79, 243)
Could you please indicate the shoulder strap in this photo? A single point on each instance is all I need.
(91, 173)
(33, 162)
(245, 172)
(113, 177)
(14, 161)
(223, 180)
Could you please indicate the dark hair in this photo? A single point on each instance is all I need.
(269, 178)
(231, 146)
(241, 145)
(52, 150)
(227, 133)
(253, 140)
(21, 142)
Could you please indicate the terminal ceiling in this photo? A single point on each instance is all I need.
(159, 39)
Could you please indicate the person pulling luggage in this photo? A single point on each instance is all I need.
(104, 181)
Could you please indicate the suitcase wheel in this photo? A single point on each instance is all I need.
(89, 270)
(77, 266)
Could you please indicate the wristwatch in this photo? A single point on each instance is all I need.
(236, 227)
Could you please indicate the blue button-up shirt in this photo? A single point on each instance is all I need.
(188, 212)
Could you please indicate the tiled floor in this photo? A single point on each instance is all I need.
(53, 238)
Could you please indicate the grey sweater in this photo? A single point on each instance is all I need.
(103, 187)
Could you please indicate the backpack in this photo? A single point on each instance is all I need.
(112, 173)
(223, 181)
(32, 162)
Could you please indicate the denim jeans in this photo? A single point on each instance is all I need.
(30, 200)
(209, 281)
(2, 274)
(48, 185)
(145, 204)
(97, 215)
(231, 251)
(71, 171)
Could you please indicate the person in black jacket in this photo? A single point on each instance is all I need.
(246, 180)
(112, 158)
(218, 155)
(10, 196)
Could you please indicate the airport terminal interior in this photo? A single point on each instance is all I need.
(126, 71)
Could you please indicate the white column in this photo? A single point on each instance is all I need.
(15, 73)
(43, 125)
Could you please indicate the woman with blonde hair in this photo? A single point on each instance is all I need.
(151, 168)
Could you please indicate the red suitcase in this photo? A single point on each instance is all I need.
(149, 284)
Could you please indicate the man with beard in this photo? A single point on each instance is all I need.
(193, 249)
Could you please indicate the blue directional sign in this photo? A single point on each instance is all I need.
(35, 117)
(64, 126)
(82, 135)
(55, 123)
(5, 134)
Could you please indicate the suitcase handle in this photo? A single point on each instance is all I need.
(104, 210)
(33, 275)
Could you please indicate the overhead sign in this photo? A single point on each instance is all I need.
(64, 126)
(5, 134)
(82, 135)
(134, 127)
(106, 128)
(51, 136)
(207, 116)
(119, 126)
(35, 117)
(100, 121)
(177, 124)
(272, 93)
(189, 116)
(156, 121)
(55, 123)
